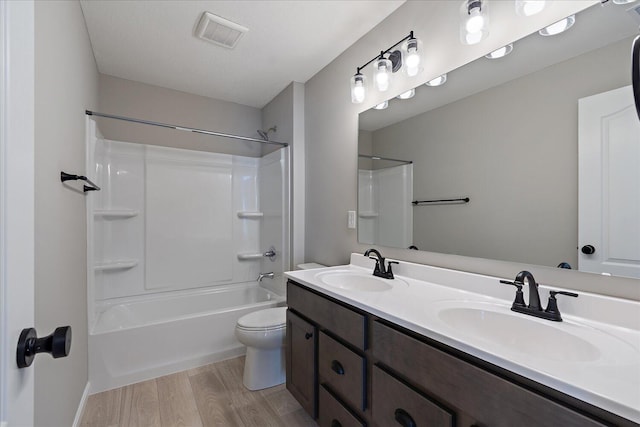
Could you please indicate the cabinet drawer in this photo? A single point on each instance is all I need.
(333, 414)
(301, 362)
(340, 320)
(394, 403)
(490, 399)
(342, 370)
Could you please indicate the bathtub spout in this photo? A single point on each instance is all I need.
(263, 275)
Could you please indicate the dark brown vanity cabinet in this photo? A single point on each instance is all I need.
(302, 341)
(367, 371)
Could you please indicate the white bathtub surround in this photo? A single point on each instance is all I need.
(602, 368)
(165, 283)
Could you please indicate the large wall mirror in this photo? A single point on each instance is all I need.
(498, 158)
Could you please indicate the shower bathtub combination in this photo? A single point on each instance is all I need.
(176, 240)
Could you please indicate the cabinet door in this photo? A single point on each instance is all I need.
(394, 403)
(302, 377)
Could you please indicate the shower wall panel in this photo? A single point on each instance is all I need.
(188, 219)
(168, 219)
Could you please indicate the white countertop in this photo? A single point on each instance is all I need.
(605, 373)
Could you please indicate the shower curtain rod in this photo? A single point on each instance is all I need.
(187, 129)
(385, 158)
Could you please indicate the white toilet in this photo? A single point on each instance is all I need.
(263, 332)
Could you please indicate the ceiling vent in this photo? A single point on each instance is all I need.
(220, 31)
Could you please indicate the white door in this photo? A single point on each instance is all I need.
(16, 206)
(609, 184)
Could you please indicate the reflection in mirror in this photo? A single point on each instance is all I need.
(385, 190)
(507, 133)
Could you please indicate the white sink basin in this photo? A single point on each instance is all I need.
(355, 281)
(493, 325)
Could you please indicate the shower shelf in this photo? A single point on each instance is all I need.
(250, 256)
(115, 213)
(123, 264)
(368, 214)
(250, 215)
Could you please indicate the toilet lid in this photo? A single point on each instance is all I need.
(267, 318)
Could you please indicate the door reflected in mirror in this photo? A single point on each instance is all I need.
(505, 134)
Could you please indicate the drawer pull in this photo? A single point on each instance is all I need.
(308, 335)
(404, 419)
(337, 367)
(335, 423)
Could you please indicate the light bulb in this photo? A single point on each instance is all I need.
(440, 80)
(499, 53)
(382, 74)
(412, 57)
(358, 90)
(473, 38)
(408, 94)
(529, 7)
(475, 22)
(382, 105)
(558, 27)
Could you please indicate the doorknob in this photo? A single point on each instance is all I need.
(588, 249)
(57, 344)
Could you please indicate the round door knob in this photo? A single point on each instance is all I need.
(588, 249)
(58, 344)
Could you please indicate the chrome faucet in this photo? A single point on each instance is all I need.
(380, 270)
(263, 275)
(535, 308)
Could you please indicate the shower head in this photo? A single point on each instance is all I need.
(265, 134)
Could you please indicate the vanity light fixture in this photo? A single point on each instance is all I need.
(501, 52)
(382, 73)
(358, 89)
(407, 95)
(383, 105)
(438, 81)
(558, 27)
(384, 65)
(623, 1)
(474, 21)
(529, 7)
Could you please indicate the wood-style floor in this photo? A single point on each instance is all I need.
(211, 395)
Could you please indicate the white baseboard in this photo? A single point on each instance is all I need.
(83, 401)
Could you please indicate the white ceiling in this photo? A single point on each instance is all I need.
(291, 40)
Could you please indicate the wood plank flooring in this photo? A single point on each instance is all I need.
(211, 395)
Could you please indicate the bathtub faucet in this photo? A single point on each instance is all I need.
(263, 275)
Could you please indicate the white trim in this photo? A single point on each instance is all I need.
(17, 139)
(81, 405)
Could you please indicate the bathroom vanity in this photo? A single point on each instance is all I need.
(441, 348)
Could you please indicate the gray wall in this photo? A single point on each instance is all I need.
(143, 101)
(513, 150)
(332, 134)
(66, 82)
(286, 112)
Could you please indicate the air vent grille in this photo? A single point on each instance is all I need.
(220, 31)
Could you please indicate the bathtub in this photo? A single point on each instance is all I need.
(136, 340)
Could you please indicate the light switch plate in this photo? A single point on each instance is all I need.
(351, 221)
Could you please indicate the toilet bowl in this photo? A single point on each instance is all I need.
(263, 332)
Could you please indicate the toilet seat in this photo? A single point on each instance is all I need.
(269, 319)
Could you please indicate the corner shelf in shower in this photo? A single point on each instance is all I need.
(123, 264)
(115, 213)
(251, 256)
(250, 215)
(368, 214)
